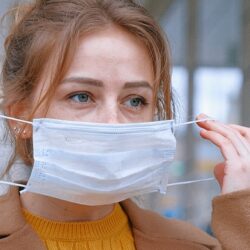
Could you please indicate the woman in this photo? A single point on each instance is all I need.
(102, 61)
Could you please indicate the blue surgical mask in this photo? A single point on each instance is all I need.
(97, 164)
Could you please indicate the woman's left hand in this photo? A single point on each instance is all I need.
(234, 143)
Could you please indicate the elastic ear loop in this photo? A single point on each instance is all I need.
(174, 126)
(15, 119)
(177, 125)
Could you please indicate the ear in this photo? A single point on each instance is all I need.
(20, 111)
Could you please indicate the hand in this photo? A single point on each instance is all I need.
(234, 143)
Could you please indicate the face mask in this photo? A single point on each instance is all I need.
(97, 164)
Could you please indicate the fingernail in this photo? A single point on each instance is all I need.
(203, 115)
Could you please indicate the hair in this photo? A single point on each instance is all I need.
(47, 32)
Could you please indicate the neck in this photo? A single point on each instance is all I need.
(59, 210)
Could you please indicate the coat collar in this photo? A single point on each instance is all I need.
(10, 212)
(15, 233)
(150, 230)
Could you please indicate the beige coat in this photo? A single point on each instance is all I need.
(231, 223)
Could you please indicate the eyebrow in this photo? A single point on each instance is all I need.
(97, 83)
(137, 85)
(84, 80)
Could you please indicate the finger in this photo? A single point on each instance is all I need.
(242, 139)
(233, 135)
(244, 131)
(225, 145)
(203, 116)
(219, 173)
(245, 141)
(245, 134)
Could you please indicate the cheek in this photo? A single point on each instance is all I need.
(151, 115)
(58, 111)
(147, 116)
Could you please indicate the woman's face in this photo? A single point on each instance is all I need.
(109, 81)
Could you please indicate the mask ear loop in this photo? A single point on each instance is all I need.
(190, 182)
(173, 128)
(15, 119)
(177, 125)
(12, 184)
(191, 122)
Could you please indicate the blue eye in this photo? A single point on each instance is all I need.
(82, 97)
(135, 102)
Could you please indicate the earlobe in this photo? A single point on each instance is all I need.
(27, 132)
(19, 129)
(23, 133)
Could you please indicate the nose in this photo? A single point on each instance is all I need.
(112, 119)
(110, 114)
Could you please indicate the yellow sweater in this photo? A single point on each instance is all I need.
(111, 233)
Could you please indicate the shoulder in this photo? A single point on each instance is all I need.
(15, 233)
(10, 212)
(156, 226)
(231, 219)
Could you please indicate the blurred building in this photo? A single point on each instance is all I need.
(210, 43)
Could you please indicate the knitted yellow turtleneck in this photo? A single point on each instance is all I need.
(112, 233)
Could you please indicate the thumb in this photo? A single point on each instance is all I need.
(219, 173)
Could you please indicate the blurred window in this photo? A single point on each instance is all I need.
(180, 91)
(174, 23)
(217, 93)
(219, 25)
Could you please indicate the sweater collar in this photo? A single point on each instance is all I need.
(109, 226)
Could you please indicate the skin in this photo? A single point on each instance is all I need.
(109, 81)
(233, 141)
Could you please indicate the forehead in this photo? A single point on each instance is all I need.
(111, 55)
(113, 52)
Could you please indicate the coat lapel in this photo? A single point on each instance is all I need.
(15, 233)
(152, 231)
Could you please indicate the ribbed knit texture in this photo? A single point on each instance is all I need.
(111, 233)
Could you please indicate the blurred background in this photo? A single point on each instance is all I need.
(210, 44)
